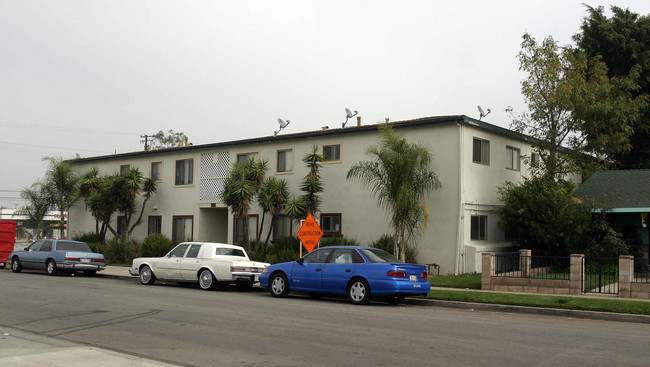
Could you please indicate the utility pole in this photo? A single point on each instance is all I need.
(145, 139)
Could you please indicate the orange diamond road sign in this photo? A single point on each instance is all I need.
(310, 233)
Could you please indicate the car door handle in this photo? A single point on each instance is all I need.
(319, 269)
(348, 270)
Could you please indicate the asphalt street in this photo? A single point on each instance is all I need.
(188, 326)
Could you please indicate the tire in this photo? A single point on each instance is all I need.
(279, 285)
(16, 266)
(147, 276)
(394, 300)
(51, 268)
(90, 273)
(207, 281)
(359, 291)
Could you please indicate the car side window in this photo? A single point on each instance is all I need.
(47, 246)
(178, 251)
(193, 251)
(316, 256)
(341, 256)
(35, 246)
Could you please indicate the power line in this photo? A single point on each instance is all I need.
(73, 129)
(49, 147)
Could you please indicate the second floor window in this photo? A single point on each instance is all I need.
(512, 158)
(184, 172)
(245, 157)
(124, 169)
(481, 151)
(156, 170)
(332, 153)
(285, 160)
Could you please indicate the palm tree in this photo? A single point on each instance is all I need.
(400, 177)
(240, 188)
(312, 183)
(38, 204)
(90, 184)
(272, 197)
(62, 185)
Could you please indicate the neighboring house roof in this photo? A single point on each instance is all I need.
(435, 120)
(624, 191)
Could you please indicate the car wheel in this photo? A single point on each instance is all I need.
(146, 275)
(394, 300)
(50, 267)
(207, 280)
(16, 266)
(359, 292)
(279, 285)
(245, 286)
(90, 273)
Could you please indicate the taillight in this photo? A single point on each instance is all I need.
(396, 273)
(98, 260)
(71, 258)
(424, 275)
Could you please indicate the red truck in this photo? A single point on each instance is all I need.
(7, 240)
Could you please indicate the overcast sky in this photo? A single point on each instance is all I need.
(89, 77)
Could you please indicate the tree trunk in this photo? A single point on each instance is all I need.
(268, 235)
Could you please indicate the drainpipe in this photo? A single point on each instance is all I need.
(461, 209)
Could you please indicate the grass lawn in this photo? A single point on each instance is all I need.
(473, 281)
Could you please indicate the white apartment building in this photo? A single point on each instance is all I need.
(471, 158)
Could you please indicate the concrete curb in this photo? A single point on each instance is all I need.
(558, 312)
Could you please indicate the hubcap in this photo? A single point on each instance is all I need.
(14, 265)
(206, 279)
(50, 267)
(357, 291)
(145, 276)
(278, 285)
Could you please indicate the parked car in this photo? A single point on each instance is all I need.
(55, 256)
(360, 273)
(205, 263)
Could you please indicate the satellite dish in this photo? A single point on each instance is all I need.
(483, 114)
(348, 115)
(283, 124)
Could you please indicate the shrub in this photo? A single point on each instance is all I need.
(338, 241)
(284, 249)
(155, 245)
(387, 243)
(117, 251)
(257, 251)
(88, 237)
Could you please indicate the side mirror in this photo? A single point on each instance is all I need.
(300, 261)
(26, 249)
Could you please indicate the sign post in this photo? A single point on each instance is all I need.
(309, 234)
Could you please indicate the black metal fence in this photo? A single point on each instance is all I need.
(512, 265)
(600, 275)
(641, 271)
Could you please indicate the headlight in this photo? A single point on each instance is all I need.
(266, 270)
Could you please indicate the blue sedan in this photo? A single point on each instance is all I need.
(57, 255)
(360, 273)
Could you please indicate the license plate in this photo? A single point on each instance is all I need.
(413, 278)
(85, 260)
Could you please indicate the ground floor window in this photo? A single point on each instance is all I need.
(239, 228)
(479, 227)
(330, 223)
(182, 228)
(155, 225)
(282, 228)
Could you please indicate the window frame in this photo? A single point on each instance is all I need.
(534, 162)
(481, 151)
(174, 235)
(159, 218)
(176, 172)
(331, 233)
(340, 152)
(482, 228)
(124, 171)
(277, 160)
(160, 170)
(275, 226)
(511, 159)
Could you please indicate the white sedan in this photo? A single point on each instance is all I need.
(205, 263)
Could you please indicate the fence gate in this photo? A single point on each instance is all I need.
(600, 275)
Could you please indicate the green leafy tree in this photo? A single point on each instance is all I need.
(38, 204)
(170, 139)
(400, 177)
(90, 184)
(573, 104)
(62, 185)
(539, 214)
(240, 188)
(622, 42)
(272, 197)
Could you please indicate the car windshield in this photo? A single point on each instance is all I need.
(230, 252)
(376, 255)
(72, 246)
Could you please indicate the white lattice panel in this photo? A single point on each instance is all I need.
(214, 170)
